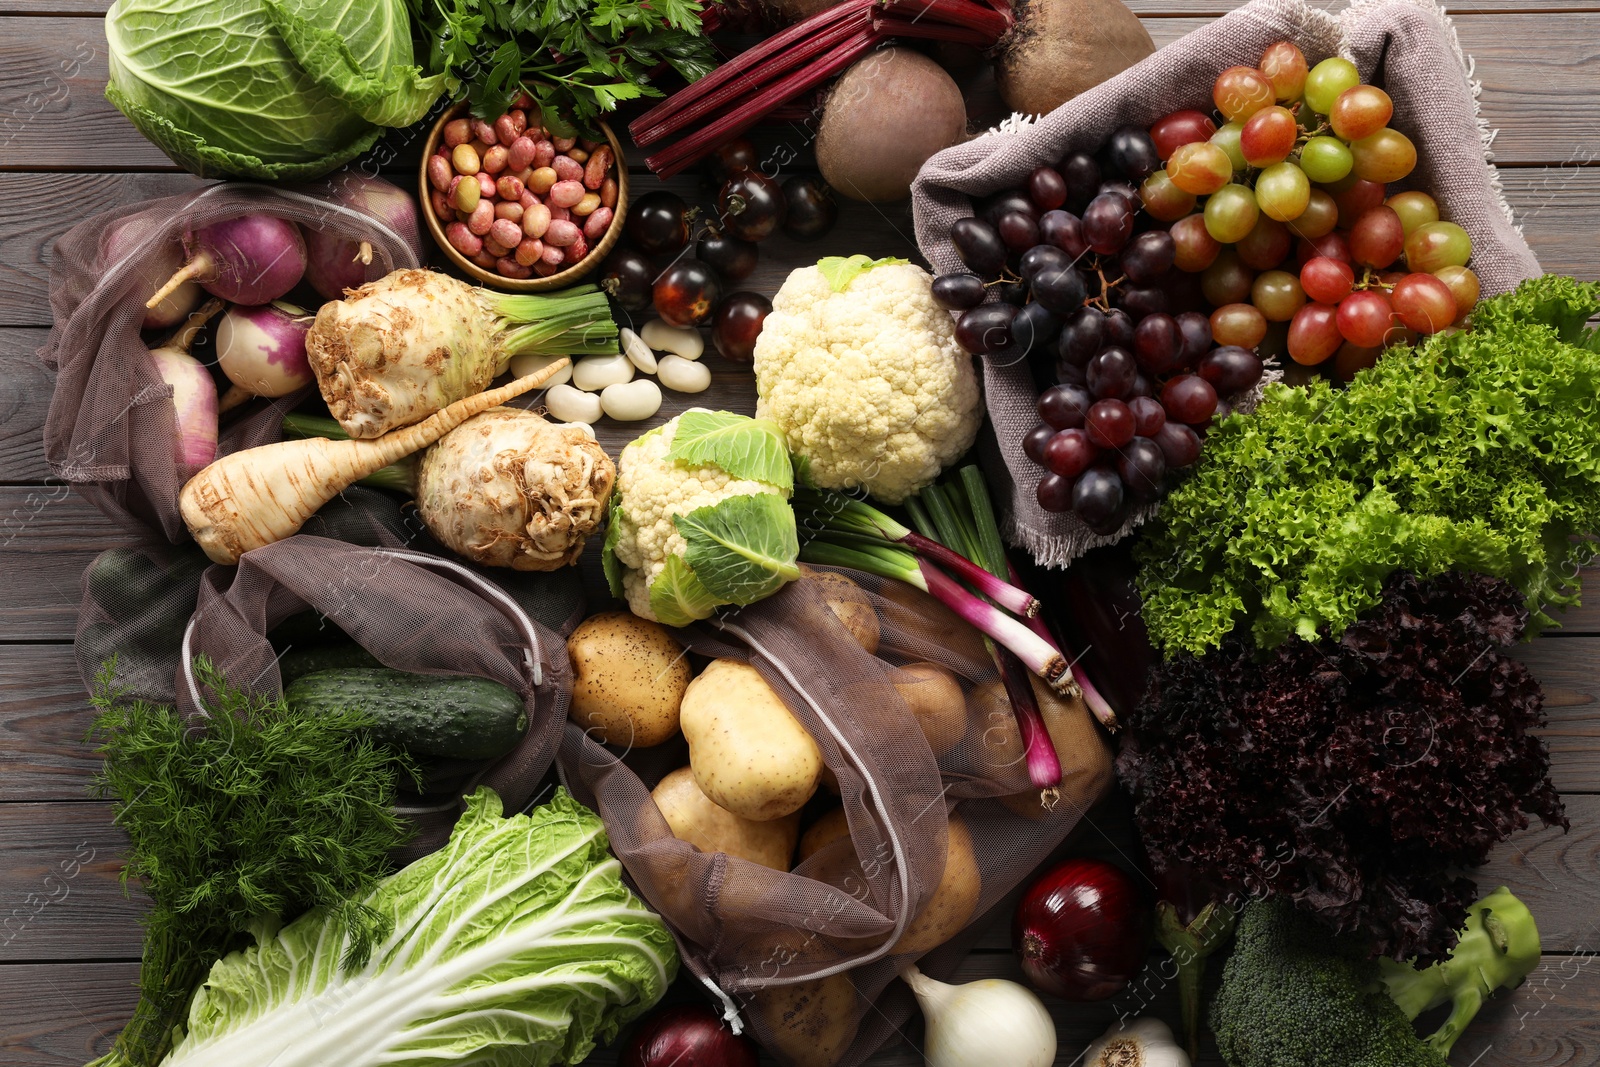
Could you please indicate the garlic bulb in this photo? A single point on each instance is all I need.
(1145, 1042)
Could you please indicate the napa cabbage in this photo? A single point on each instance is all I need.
(517, 943)
(271, 89)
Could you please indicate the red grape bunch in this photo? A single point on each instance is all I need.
(651, 271)
(1282, 211)
(1114, 335)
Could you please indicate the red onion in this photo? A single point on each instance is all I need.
(688, 1035)
(1081, 930)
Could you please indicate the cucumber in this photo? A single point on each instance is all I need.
(424, 714)
(308, 659)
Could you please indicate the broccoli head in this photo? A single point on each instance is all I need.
(1295, 995)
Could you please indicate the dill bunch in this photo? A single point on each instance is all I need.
(237, 823)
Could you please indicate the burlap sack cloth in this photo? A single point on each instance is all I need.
(808, 957)
(1406, 46)
(110, 428)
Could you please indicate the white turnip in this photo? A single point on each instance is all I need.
(508, 489)
(194, 396)
(883, 119)
(335, 263)
(398, 349)
(252, 259)
(1059, 48)
(151, 269)
(262, 350)
(259, 496)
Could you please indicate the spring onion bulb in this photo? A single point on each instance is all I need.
(982, 1023)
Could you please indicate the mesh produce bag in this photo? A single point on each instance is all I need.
(413, 612)
(111, 425)
(1406, 46)
(811, 955)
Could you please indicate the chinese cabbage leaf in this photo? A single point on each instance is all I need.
(517, 943)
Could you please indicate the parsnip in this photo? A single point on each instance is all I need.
(262, 495)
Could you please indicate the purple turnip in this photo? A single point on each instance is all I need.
(194, 396)
(335, 264)
(150, 270)
(262, 350)
(252, 259)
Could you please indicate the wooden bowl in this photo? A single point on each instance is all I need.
(560, 279)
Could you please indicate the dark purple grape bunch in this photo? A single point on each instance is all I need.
(1087, 295)
(650, 271)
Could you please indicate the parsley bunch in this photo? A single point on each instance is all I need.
(576, 58)
(235, 825)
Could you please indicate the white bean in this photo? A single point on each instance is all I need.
(682, 341)
(683, 375)
(522, 366)
(637, 351)
(631, 401)
(567, 404)
(594, 373)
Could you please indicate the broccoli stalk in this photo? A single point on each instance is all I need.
(1294, 995)
(1498, 949)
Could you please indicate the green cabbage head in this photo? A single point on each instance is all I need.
(270, 89)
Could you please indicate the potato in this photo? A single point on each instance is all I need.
(811, 1023)
(1084, 755)
(822, 833)
(1059, 48)
(955, 899)
(628, 679)
(849, 605)
(935, 697)
(749, 753)
(709, 828)
(885, 116)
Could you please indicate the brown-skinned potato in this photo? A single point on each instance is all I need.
(628, 679)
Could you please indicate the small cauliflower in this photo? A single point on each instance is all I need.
(860, 369)
(701, 517)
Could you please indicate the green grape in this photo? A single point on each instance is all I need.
(1383, 157)
(1227, 139)
(1231, 212)
(1415, 209)
(1277, 295)
(1325, 159)
(1431, 246)
(1327, 81)
(1282, 191)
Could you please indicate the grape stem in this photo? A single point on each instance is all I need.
(1103, 299)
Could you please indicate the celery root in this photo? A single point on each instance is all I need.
(261, 495)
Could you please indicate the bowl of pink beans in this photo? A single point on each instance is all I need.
(517, 207)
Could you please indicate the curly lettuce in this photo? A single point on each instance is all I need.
(270, 89)
(1475, 451)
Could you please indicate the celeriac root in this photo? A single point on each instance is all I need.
(261, 495)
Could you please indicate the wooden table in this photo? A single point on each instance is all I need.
(68, 957)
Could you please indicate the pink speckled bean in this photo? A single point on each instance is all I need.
(576, 250)
(563, 143)
(457, 131)
(484, 132)
(494, 160)
(519, 119)
(551, 254)
(505, 232)
(463, 240)
(441, 205)
(482, 218)
(567, 169)
(529, 251)
(535, 220)
(494, 248)
(507, 209)
(543, 153)
(545, 269)
(559, 212)
(508, 187)
(486, 184)
(599, 165)
(520, 154)
(595, 226)
(585, 207)
(527, 200)
(439, 173)
(485, 260)
(566, 194)
(561, 233)
(541, 179)
(511, 268)
(608, 193)
(505, 131)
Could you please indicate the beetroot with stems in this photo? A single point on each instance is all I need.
(1082, 930)
(251, 259)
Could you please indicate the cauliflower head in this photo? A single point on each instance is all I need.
(700, 517)
(860, 369)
